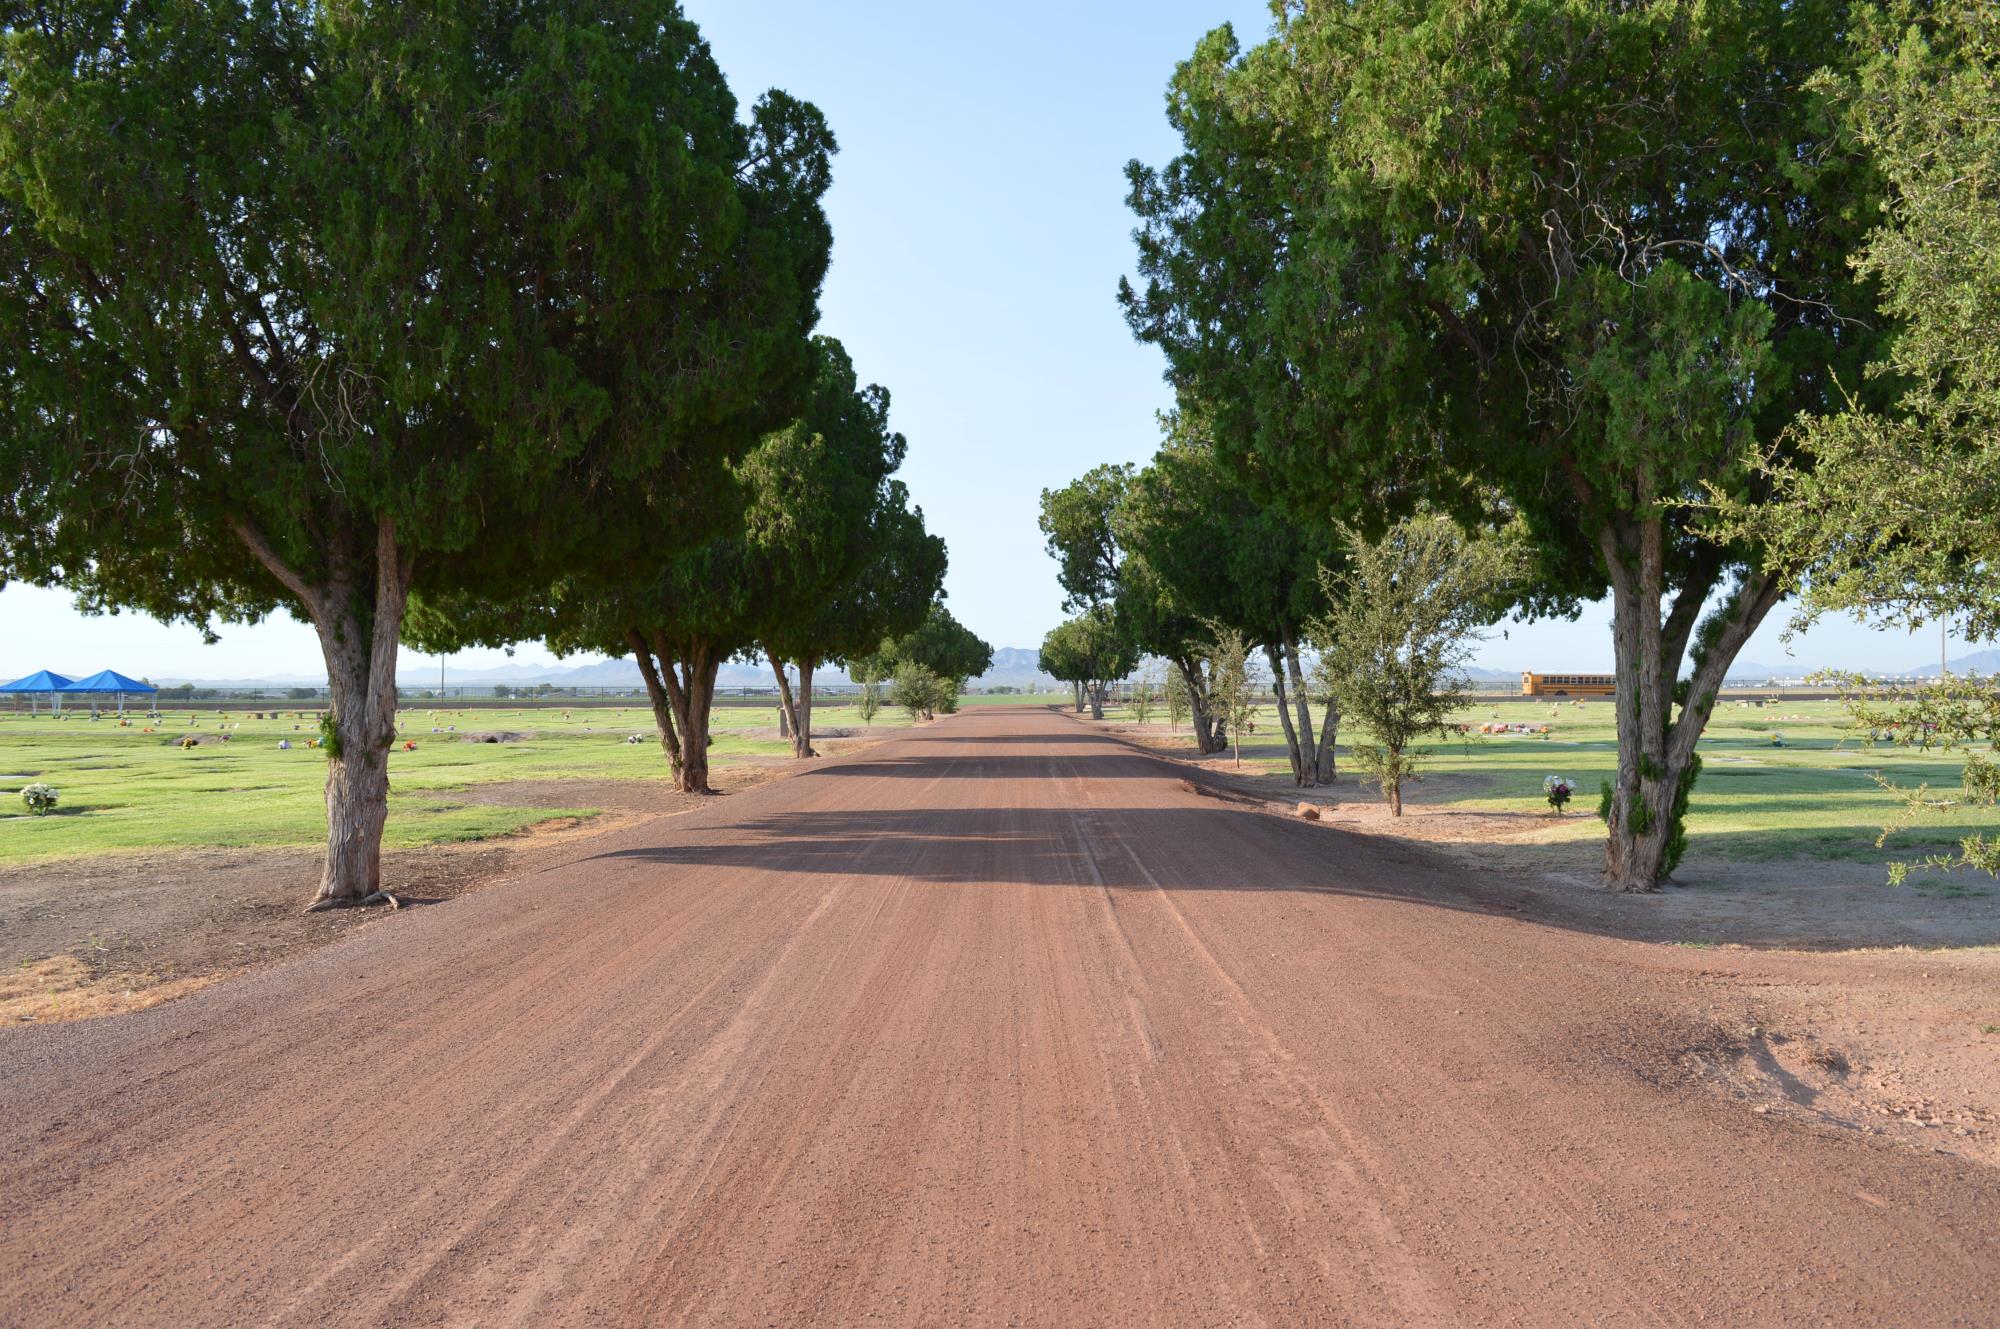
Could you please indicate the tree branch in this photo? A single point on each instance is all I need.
(261, 549)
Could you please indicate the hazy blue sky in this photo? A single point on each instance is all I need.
(980, 230)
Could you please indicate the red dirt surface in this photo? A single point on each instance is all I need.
(999, 1023)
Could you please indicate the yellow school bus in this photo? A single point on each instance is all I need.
(1568, 685)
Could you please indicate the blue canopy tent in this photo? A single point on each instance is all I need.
(110, 680)
(36, 684)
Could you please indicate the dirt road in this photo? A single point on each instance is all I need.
(997, 1024)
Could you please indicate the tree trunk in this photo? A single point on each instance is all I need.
(807, 664)
(1314, 766)
(1096, 692)
(1273, 654)
(1657, 762)
(650, 667)
(357, 808)
(358, 617)
(1079, 697)
(795, 713)
(1329, 730)
(680, 684)
(1208, 736)
(691, 690)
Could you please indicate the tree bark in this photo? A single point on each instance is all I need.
(807, 664)
(1656, 747)
(650, 668)
(698, 689)
(680, 684)
(795, 713)
(358, 617)
(1208, 737)
(1079, 697)
(1096, 693)
(1329, 730)
(1315, 755)
(1274, 655)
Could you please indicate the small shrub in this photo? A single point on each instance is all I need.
(40, 798)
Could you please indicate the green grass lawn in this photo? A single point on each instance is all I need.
(1812, 797)
(124, 788)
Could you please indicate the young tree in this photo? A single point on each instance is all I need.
(919, 690)
(1230, 684)
(869, 703)
(1580, 255)
(1145, 693)
(1177, 700)
(300, 309)
(1406, 613)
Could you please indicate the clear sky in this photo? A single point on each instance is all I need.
(979, 233)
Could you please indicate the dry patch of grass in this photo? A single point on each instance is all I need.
(63, 987)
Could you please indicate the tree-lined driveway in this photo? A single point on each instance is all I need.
(1001, 1022)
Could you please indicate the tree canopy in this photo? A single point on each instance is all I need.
(1566, 260)
(313, 305)
(940, 643)
(1090, 649)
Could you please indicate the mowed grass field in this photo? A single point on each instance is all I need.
(1810, 795)
(123, 788)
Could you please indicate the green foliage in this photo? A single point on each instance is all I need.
(1076, 522)
(1177, 699)
(1145, 694)
(1231, 689)
(329, 736)
(1891, 508)
(264, 269)
(921, 691)
(940, 644)
(1677, 838)
(847, 560)
(1406, 614)
(1214, 552)
(1536, 260)
(1090, 649)
(869, 704)
(314, 306)
(1948, 716)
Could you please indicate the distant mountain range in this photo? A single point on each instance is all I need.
(1979, 662)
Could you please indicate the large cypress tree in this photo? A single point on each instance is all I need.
(313, 305)
(1584, 257)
